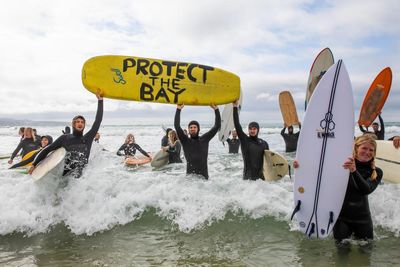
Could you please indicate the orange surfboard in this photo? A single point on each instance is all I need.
(376, 97)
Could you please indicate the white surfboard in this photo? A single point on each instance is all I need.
(54, 162)
(325, 142)
(275, 166)
(227, 124)
(160, 159)
(388, 159)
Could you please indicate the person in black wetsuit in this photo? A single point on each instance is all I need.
(355, 216)
(252, 148)
(195, 148)
(27, 144)
(128, 149)
(380, 134)
(174, 148)
(164, 140)
(233, 143)
(67, 130)
(45, 140)
(77, 144)
(290, 138)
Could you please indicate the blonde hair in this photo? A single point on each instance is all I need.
(30, 130)
(172, 136)
(128, 138)
(363, 140)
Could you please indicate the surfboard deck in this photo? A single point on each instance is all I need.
(388, 159)
(325, 142)
(275, 166)
(53, 162)
(288, 109)
(136, 161)
(322, 62)
(376, 97)
(159, 81)
(160, 159)
(227, 124)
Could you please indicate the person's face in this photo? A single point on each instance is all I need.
(44, 142)
(290, 129)
(365, 152)
(97, 136)
(234, 134)
(193, 129)
(79, 124)
(27, 133)
(375, 127)
(253, 131)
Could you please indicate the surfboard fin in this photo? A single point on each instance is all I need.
(312, 230)
(296, 209)
(330, 220)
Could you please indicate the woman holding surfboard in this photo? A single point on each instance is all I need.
(355, 216)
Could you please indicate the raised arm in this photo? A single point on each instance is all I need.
(177, 123)
(217, 124)
(362, 128)
(382, 125)
(99, 117)
(283, 130)
(236, 122)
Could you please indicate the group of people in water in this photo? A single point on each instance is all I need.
(364, 176)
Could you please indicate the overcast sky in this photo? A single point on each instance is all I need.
(269, 44)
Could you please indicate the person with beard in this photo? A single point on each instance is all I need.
(290, 138)
(77, 144)
(252, 148)
(380, 134)
(45, 140)
(195, 148)
(28, 143)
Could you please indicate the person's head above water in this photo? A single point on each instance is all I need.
(46, 140)
(130, 138)
(21, 131)
(172, 137)
(167, 131)
(28, 132)
(194, 128)
(375, 126)
(290, 129)
(78, 123)
(234, 134)
(254, 128)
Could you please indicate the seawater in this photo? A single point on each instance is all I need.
(119, 216)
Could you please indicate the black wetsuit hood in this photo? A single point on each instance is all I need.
(198, 129)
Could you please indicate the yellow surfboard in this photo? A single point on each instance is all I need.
(159, 81)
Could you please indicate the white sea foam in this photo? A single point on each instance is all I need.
(110, 194)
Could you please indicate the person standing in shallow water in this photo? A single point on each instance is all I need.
(355, 216)
(77, 144)
(252, 148)
(380, 133)
(290, 138)
(28, 143)
(233, 143)
(195, 148)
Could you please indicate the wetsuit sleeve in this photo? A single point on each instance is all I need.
(213, 131)
(366, 186)
(362, 128)
(238, 127)
(141, 150)
(17, 150)
(382, 126)
(24, 162)
(283, 131)
(177, 123)
(55, 145)
(96, 125)
(122, 148)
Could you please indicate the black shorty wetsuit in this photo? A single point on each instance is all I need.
(195, 148)
(355, 216)
(27, 145)
(77, 145)
(290, 140)
(234, 145)
(252, 151)
(130, 150)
